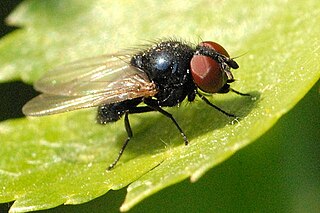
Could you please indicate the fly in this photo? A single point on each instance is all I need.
(162, 75)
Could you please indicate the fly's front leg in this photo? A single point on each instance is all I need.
(240, 93)
(214, 106)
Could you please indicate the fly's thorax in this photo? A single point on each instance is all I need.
(167, 64)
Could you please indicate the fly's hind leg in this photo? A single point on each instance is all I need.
(129, 133)
(151, 106)
(128, 130)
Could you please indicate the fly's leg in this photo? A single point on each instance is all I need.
(219, 109)
(129, 133)
(154, 105)
(239, 93)
(214, 106)
(151, 106)
(128, 130)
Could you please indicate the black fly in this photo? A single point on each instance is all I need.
(163, 75)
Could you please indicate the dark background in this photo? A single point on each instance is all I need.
(13, 95)
(6, 6)
(280, 172)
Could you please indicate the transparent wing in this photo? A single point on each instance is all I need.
(88, 76)
(89, 83)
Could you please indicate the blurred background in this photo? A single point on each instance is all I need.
(280, 172)
(6, 6)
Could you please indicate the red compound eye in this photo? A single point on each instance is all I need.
(207, 73)
(217, 47)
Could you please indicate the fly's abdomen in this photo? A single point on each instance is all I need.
(112, 112)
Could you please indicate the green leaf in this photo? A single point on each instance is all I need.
(60, 159)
